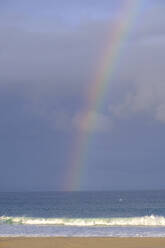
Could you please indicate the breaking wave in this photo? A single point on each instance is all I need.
(130, 221)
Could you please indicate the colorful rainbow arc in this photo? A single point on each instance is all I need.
(103, 77)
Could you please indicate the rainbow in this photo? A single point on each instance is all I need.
(97, 89)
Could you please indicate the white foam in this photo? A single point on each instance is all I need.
(130, 221)
(77, 231)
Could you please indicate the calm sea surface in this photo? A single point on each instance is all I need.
(136, 213)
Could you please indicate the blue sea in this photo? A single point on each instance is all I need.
(80, 214)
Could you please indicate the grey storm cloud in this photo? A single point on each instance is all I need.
(143, 73)
(48, 60)
(52, 67)
(55, 66)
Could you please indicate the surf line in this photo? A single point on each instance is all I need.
(97, 89)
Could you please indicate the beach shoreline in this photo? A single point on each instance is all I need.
(81, 242)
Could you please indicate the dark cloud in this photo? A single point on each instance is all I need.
(47, 66)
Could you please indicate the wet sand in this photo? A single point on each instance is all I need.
(69, 242)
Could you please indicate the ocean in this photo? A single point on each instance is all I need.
(80, 214)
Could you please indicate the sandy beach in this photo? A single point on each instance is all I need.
(62, 242)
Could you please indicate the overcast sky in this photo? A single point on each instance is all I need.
(49, 52)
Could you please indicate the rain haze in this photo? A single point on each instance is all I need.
(50, 51)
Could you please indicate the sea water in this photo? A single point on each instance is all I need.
(114, 213)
